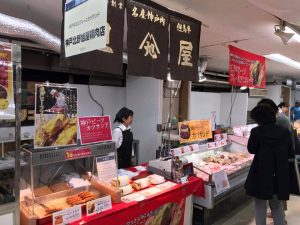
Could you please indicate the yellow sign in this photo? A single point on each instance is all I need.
(194, 130)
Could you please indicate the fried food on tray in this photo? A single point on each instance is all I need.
(81, 198)
(67, 135)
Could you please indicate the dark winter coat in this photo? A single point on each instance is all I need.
(269, 173)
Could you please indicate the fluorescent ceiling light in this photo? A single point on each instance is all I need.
(243, 88)
(296, 36)
(283, 59)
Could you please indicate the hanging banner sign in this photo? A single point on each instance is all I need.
(246, 69)
(147, 39)
(110, 58)
(184, 47)
(55, 116)
(7, 104)
(95, 129)
(194, 130)
(84, 26)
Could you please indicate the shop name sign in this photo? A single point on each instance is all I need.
(95, 129)
(84, 26)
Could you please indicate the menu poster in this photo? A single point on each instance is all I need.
(184, 47)
(246, 69)
(67, 216)
(95, 129)
(55, 116)
(147, 39)
(106, 168)
(194, 130)
(111, 57)
(7, 104)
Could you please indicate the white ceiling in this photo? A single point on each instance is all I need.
(249, 23)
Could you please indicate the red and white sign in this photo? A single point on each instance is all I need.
(78, 153)
(246, 69)
(95, 129)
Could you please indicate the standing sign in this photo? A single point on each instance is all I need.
(106, 168)
(184, 47)
(95, 129)
(67, 216)
(221, 181)
(55, 116)
(147, 39)
(7, 105)
(110, 58)
(246, 69)
(84, 26)
(98, 205)
(194, 130)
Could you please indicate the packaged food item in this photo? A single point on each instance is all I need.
(126, 190)
(141, 184)
(156, 179)
(123, 181)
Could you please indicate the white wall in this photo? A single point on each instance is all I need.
(239, 109)
(112, 99)
(252, 102)
(274, 93)
(144, 97)
(202, 104)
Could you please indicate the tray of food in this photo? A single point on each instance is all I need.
(44, 206)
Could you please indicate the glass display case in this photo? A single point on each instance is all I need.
(57, 179)
(10, 81)
(210, 161)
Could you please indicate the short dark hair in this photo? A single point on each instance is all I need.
(283, 104)
(270, 102)
(263, 114)
(123, 113)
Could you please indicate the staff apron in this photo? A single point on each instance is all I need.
(125, 150)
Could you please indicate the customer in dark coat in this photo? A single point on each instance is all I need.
(268, 178)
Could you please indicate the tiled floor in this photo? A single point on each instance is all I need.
(245, 214)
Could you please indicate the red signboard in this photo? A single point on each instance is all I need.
(246, 69)
(95, 129)
(78, 153)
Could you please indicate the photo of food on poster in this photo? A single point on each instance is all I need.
(55, 116)
(7, 105)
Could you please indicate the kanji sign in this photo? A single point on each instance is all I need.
(194, 130)
(184, 47)
(95, 129)
(84, 26)
(147, 39)
(78, 153)
(246, 69)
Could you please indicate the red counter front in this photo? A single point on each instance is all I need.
(140, 212)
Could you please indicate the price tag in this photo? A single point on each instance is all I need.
(98, 205)
(67, 216)
(184, 180)
(221, 181)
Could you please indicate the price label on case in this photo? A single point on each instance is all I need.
(221, 181)
(67, 216)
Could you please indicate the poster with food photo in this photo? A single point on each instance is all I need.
(7, 105)
(55, 116)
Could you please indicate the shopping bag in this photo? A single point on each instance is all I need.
(294, 177)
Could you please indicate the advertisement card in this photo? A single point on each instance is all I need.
(67, 216)
(98, 205)
(106, 168)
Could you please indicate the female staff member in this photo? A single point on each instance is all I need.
(123, 137)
